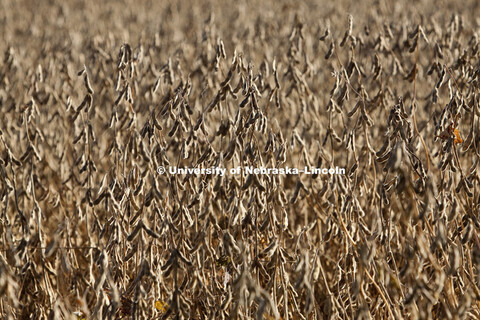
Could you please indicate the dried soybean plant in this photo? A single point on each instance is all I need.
(97, 99)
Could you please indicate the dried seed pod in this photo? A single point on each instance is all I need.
(86, 81)
(174, 128)
(330, 51)
(296, 192)
(325, 35)
(248, 182)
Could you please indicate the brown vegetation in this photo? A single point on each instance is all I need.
(95, 97)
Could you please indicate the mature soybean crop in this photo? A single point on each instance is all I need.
(98, 101)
